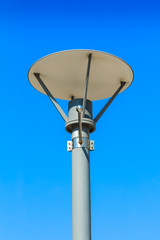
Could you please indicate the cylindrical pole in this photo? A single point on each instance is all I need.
(81, 205)
(81, 202)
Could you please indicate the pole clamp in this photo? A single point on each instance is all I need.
(86, 143)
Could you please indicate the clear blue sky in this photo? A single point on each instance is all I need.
(35, 168)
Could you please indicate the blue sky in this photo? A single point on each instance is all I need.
(35, 168)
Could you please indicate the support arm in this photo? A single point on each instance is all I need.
(86, 83)
(53, 100)
(79, 110)
(99, 115)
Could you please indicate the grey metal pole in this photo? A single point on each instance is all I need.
(81, 201)
(81, 204)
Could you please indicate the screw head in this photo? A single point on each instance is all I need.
(79, 108)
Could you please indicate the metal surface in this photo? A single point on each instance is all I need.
(64, 74)
(53, 100)
(69, 146)
(75, 144)
(85, 143)
(73, 116)
(80, 110)
(91, 146)
(81, 204)
(99, 115)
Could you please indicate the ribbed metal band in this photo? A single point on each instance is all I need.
(85, 143)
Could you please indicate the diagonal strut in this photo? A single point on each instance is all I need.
(86, 83)
(60, 110)
(99, 115)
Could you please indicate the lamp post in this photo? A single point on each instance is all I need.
(80, 76)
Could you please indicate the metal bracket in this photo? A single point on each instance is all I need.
(91, 145)
(86, 143)
(69, 146)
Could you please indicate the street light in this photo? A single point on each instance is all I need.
(80, 76)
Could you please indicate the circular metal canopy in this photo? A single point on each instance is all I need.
(64, 74)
